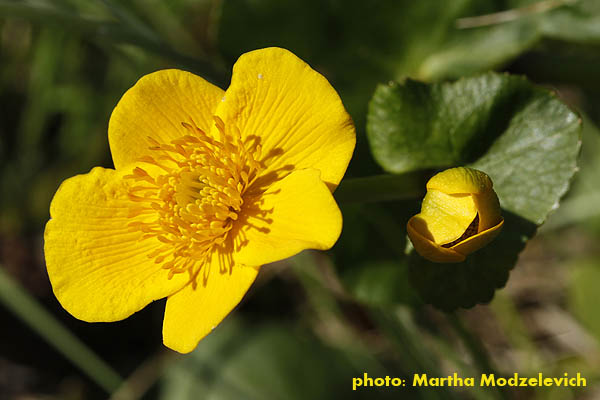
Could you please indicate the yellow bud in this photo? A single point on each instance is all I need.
(459, 215)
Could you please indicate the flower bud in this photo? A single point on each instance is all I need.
(459, 215)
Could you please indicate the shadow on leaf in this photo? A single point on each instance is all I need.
(450, 286)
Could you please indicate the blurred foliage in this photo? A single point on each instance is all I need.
(584, 295)
(313, 322)
(259, 367)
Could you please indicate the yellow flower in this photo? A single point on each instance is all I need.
(459, 215)
(207, 187)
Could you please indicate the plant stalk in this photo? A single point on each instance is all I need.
(379, 188)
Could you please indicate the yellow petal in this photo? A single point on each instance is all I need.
(446, 216)
(155, 107)
(488, 206)
(428, 249)
(476, 242)
(295, 213)
(98, 269)
(460, 180)
(194, 312)
(296, 114)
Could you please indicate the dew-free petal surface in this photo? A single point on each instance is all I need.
(98, 269)
(460, 180)
(428, 249)
(193, 312)
(447, 216)
(488, 206)
(295, 213)
(293, 110)
(156, 106)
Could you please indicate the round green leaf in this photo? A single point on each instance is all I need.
(521, 135)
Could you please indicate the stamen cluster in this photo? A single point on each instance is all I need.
(192, 200)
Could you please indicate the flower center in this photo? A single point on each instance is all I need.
(192, 202)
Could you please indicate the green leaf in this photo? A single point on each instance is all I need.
(533, 161)
(262, 361)
(475, 50)
(419, 39)
(482, 41)
(521, 135)
(578, 22)
(415, 125)
(581, 204)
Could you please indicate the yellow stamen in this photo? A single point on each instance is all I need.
(192, 204)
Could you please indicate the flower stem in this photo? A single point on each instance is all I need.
(380, 188)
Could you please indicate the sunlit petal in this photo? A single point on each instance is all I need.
(293, 111)
(155, 107)
(99, 268)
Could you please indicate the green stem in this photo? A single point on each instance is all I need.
(378, 188)
(24, 306)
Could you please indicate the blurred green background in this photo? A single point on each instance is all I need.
(311, 323)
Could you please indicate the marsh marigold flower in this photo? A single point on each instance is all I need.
(459, 215)
(207, 187)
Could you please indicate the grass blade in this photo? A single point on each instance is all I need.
(30, 311)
